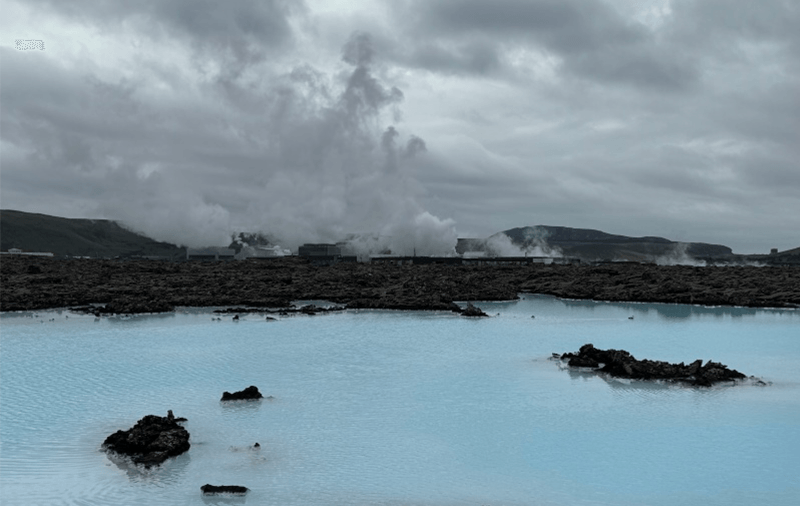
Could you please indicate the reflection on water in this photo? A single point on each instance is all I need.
(164, 475)
(390, 408)
(224, 499)
(677, 310)
(242, 406)
(588, 373)
(123, 319)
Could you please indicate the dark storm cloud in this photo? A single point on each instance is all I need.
(189, 119)
(477, 57)
(219, 23)
(592, 40)
(567, 26)
(722, 137)
(722, 21)
(236, 34)
(304, 160)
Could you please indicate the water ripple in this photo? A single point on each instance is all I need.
(389, 408)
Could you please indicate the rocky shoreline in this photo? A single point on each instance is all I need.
(107, 286)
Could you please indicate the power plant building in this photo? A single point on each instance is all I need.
(319, 250)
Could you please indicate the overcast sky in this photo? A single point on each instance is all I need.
(415, 119)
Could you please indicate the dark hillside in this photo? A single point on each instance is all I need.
(76, 237)
(594, 245)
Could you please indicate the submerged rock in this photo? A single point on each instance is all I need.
(621, 364)
(223, 489)
(248, 393)
(151, 441)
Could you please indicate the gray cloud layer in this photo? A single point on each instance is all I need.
(189, 120)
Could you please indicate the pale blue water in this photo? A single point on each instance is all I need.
(401, 408)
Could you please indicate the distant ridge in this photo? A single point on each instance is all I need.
(77, 237)
(591, 245)
(588, 243)
(33, 232)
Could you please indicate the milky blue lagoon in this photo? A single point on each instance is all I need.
(404, 408)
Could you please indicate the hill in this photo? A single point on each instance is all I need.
(590, 245)
(77, 237)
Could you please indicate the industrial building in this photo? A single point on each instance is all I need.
(319, 250)
(324, 254)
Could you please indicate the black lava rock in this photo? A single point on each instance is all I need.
(622, 364)
(249, 393)
(223, 489)
(151, 441)
(474, 311)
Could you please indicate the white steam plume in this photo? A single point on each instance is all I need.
(301, 155)
(679, 256)
(534, 244)
(338, 172)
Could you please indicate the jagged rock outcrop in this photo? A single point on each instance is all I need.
(249, 393)
(151, 441)
(620, 363)
(473, 311)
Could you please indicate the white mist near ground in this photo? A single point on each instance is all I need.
(196, 226)
(424, 235)
(248, 251)
(534, 245)
(679, 256)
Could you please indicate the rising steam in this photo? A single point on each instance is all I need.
(679, 256)
(298, 156)
(533, 244)
(339, 173)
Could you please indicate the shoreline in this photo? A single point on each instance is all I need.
(153, 286)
